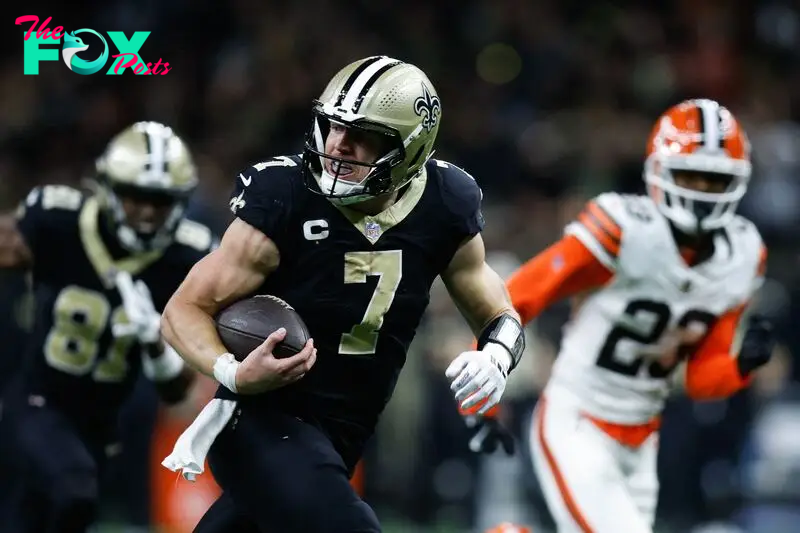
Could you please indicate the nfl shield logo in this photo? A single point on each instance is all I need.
(373, 230)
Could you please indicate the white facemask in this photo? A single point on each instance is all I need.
(328, 184)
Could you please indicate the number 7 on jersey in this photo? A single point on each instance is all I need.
(388, 266)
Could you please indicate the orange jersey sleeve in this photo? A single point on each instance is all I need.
(564, 269)
(712, 373)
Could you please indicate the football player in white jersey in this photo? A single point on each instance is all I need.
(659, 284)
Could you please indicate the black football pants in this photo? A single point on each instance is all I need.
(280, 474)
(58, 468)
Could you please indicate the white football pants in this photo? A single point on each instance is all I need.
(592, 483)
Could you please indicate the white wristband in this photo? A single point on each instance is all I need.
(166, 366)
(225, 370)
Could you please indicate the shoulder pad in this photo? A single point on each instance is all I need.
(51, 202)
(265, 175)
(636, 209)
(749, 246)
(745, 233)
(60, 197)
(461, 194)
(446, 168)
(609, 220)
(264, 193)
(49, 212)
(194, 235)
(627, 209)
(599, 228)
(281, 161)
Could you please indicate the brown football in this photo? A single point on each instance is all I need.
(244, 325)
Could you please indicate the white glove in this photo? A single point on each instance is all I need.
(144, 322)
(479, 377)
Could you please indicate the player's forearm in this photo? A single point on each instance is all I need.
(190, 329)
(477, 290)
(714, 377)
(481, 297)
(712, 372)
(238, 267)
(497, 301)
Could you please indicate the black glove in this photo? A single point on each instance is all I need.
(487, 433)
(757, 345)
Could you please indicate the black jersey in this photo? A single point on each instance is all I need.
(73, 361)
(361, 283)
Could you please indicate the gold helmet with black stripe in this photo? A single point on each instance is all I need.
(382, 98)
(146, 176)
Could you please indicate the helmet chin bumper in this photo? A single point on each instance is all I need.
(339, 191)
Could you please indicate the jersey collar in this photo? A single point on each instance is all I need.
(373, 227)
(97, 252)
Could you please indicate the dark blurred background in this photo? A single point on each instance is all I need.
(546, 103)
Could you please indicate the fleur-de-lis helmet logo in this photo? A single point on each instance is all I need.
(429, 108)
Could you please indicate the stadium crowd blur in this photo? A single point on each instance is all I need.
(545, 102)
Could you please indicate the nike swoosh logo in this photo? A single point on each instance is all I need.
(246, 181)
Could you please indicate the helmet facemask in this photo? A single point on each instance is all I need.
(134, 237)
(327, 174)
(692, 211)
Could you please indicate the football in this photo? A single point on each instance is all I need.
(244, 325)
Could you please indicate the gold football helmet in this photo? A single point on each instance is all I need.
(384, 96)
(147, 162)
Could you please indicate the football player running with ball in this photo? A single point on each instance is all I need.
(352, 234)
(102, 266)
(660, 284)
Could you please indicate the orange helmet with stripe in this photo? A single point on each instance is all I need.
(508, 527)
(697, 136)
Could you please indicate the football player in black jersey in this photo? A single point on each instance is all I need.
(352, 234)
(102, 265)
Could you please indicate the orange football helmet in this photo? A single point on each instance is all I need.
(508, 527)
(704, 137)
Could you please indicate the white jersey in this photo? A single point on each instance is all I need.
(606, 366)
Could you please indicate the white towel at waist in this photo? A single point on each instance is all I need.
(189, 454)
